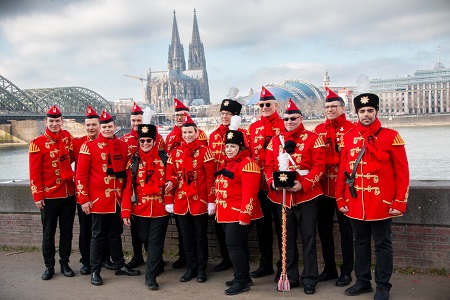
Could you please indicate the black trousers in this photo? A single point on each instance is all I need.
(220, 234)
(84, 238)
(136, 241)
(195, 240)
(381, 231)
(264, 230)
(152, 231)
(325, 222)
(180, 238)
(237, 244)
(62, 210)
(107, 229)
(302, 218)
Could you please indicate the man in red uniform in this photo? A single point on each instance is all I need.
(100, 182)
(332, 132)
(372, 187)
(132, 141)
(260, 133)
(173, 140)
(52, 188)
(305, 155)
(228, 109)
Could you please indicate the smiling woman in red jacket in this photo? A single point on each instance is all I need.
(237, 186)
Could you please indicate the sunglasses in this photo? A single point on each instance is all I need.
(267, 104)
(146, 140)
(290, 119)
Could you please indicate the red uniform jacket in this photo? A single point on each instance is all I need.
(376, 191)
(217, 145)
(77, 143)
(92, 183)
(309, 157)
(237, 197)
(329, 178)
(174, 139)
(259, 139)
(132, 141)
(45, 179)
(186, 200)
(149, 205)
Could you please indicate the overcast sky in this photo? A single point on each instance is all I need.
(93, 43)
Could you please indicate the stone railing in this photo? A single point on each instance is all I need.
(421, 237)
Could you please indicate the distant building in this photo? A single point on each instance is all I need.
(188, 85)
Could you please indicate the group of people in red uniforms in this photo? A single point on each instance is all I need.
(275, 175)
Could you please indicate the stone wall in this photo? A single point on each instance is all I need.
(421, 237)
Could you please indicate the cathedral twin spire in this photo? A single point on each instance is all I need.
(176, 60)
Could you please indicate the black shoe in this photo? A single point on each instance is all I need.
(96, 279)
(381, 294)
(324, 276)
(85, 269)
(231, 282)
(201, 277)
(188, 276)
(108, 264)
(260, 272)
(309, 289)
(358, 288)
(237, 288)
(66, 270)
(344, 280)
(224, 265)
(126, 270)
(136, 261)
(152, 284)
(48, 273)
(179, 263)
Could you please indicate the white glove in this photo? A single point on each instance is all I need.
(283, 161)
(169, 208)
(211, 209)
(235, 123)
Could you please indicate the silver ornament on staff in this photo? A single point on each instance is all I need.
(283, 179)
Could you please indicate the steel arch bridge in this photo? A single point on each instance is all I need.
(70, 100)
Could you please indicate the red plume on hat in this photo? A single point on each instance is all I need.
(105, 117)
(54, 112)
(292, 108)
(91, 113)
(188, 121)
(266, 95)
(136, 110)
(332, 96)
(179, 106)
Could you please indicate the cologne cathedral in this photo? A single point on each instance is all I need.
(188, 85)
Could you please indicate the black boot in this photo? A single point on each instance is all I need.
(48, 273)
(66, 270)
(96, 279)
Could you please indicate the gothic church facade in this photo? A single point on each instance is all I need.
(188, 85)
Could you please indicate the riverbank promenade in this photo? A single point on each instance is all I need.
(20, 278)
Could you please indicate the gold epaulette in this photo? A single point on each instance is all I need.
(208, 156)
(251, 167)
(270, 146)
(398, 141)
(33, 148)
(319, 143)
(202, 136)
(85, 149)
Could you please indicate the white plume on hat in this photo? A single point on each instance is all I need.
(283, 161)
(235, 123)
(147, 116)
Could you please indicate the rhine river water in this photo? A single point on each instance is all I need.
(428, 150)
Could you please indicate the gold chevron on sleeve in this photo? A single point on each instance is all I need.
(270, 146)
(398, 141)
(319, 143)
(33, 148)
(251, 167)
(85, 150)
(208, 156)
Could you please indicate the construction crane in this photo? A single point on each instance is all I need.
(142, 85)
